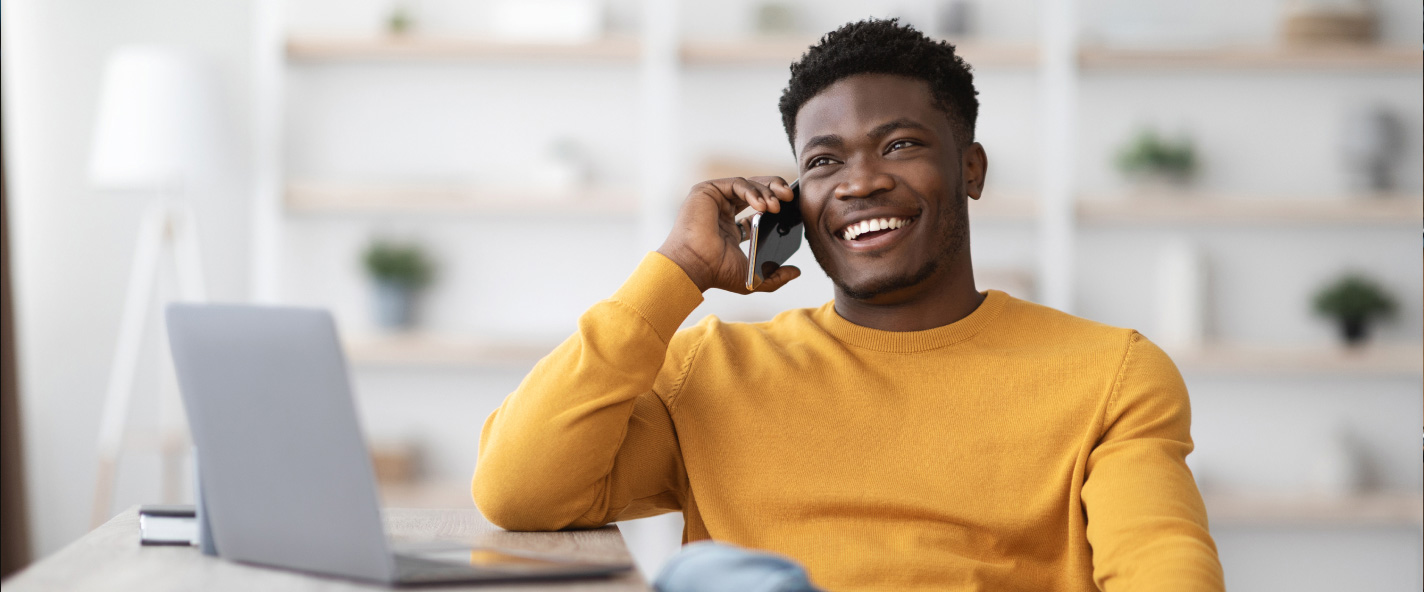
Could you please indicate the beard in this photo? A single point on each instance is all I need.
(954, 222)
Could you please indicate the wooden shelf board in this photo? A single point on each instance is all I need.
(434, 351)
(314, 47)
(1187, 208)
(1376, 359)
(1366, 509)
(373, 199)
(784, 50)
(1003, 208)
(1404, 58)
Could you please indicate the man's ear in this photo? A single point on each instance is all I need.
(974, 165)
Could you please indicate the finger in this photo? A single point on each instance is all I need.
(725, 192)
(763, 193)
(778, 186)
(744, 229)
(783, 274)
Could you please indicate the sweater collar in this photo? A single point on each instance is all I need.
(912, 341)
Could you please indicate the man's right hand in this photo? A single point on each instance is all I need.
(706, 241)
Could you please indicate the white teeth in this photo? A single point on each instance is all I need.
(854, 230)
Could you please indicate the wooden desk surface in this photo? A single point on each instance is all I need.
(110, 558)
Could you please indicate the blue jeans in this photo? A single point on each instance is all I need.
(708, 566)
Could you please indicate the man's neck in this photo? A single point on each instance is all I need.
(935, 302)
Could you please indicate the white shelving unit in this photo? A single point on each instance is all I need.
(1057, 216)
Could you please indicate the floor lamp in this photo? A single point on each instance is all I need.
(156, 133)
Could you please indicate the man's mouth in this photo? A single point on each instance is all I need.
(866, 231)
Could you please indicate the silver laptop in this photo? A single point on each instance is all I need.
(285, 476)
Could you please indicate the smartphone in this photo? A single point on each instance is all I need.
(774, 238)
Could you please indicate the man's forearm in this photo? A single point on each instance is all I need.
(547, 452)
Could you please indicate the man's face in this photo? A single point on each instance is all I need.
(873, 147)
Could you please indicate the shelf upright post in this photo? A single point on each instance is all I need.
(1058, 106)
(660, 160)
(269, 66)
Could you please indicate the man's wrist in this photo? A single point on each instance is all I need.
(688, 265)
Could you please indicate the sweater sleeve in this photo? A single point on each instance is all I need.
(1146, 521)
(585, 440)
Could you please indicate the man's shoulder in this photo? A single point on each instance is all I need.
(1032, 325)
(788, 321)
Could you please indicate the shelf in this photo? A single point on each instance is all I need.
(1369, 509)
(390, 47)
(784, 50)
(1007, 208)
(1188, 208)
(1402, 58)
(328, 198)
(436, 351)
(1370, 359)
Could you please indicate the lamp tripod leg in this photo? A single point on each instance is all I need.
(114, 420)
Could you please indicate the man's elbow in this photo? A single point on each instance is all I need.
(510, 506)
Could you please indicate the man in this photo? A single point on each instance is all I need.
(913, 434)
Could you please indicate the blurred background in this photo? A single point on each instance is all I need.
(457, 180)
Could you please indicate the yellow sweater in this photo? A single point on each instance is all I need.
(1019, 448)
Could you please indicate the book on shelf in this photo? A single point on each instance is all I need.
(168, 525)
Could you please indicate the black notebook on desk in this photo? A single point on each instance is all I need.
(168, 525)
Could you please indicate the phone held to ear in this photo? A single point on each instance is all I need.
(774, 238)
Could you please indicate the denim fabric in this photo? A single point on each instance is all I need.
(714, 567)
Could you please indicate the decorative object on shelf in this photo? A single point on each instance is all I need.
(1308, 23)
(550, 21)
(1181, 296)
(954, 19)
(399, 272)
(397, 461)
(399, 21)
(1154, 162)
(564, 168)
(1354, 301)
(775, 18)
(1373, 144)
(1338, 471)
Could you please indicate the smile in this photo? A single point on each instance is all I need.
(869, 229)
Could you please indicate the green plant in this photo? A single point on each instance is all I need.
(1149, 153)
(1354, 298)
(404, 264)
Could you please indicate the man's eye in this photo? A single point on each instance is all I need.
(898, 144)
(818, 161)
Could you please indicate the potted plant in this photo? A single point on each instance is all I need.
(1150, 159)
(398, 272)
(1353, 301)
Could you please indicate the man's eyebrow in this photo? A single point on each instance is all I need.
(831, 140)
(884, 129)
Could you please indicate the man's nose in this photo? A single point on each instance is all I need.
(863, 180)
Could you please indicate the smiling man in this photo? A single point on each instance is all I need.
(912, 434)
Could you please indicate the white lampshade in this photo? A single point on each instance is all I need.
(159, 123)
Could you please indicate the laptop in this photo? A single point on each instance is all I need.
(285, 479)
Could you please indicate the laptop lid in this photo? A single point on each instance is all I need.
(286, 477)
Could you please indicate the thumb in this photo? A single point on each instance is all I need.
(779, 278)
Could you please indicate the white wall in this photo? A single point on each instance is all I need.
(73, 245)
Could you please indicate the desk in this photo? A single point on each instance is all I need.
(110, 558)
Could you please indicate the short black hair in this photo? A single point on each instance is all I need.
(884, 46)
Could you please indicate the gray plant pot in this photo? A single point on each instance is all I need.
(394, 304)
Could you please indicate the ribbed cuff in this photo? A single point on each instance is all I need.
(660, 291)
